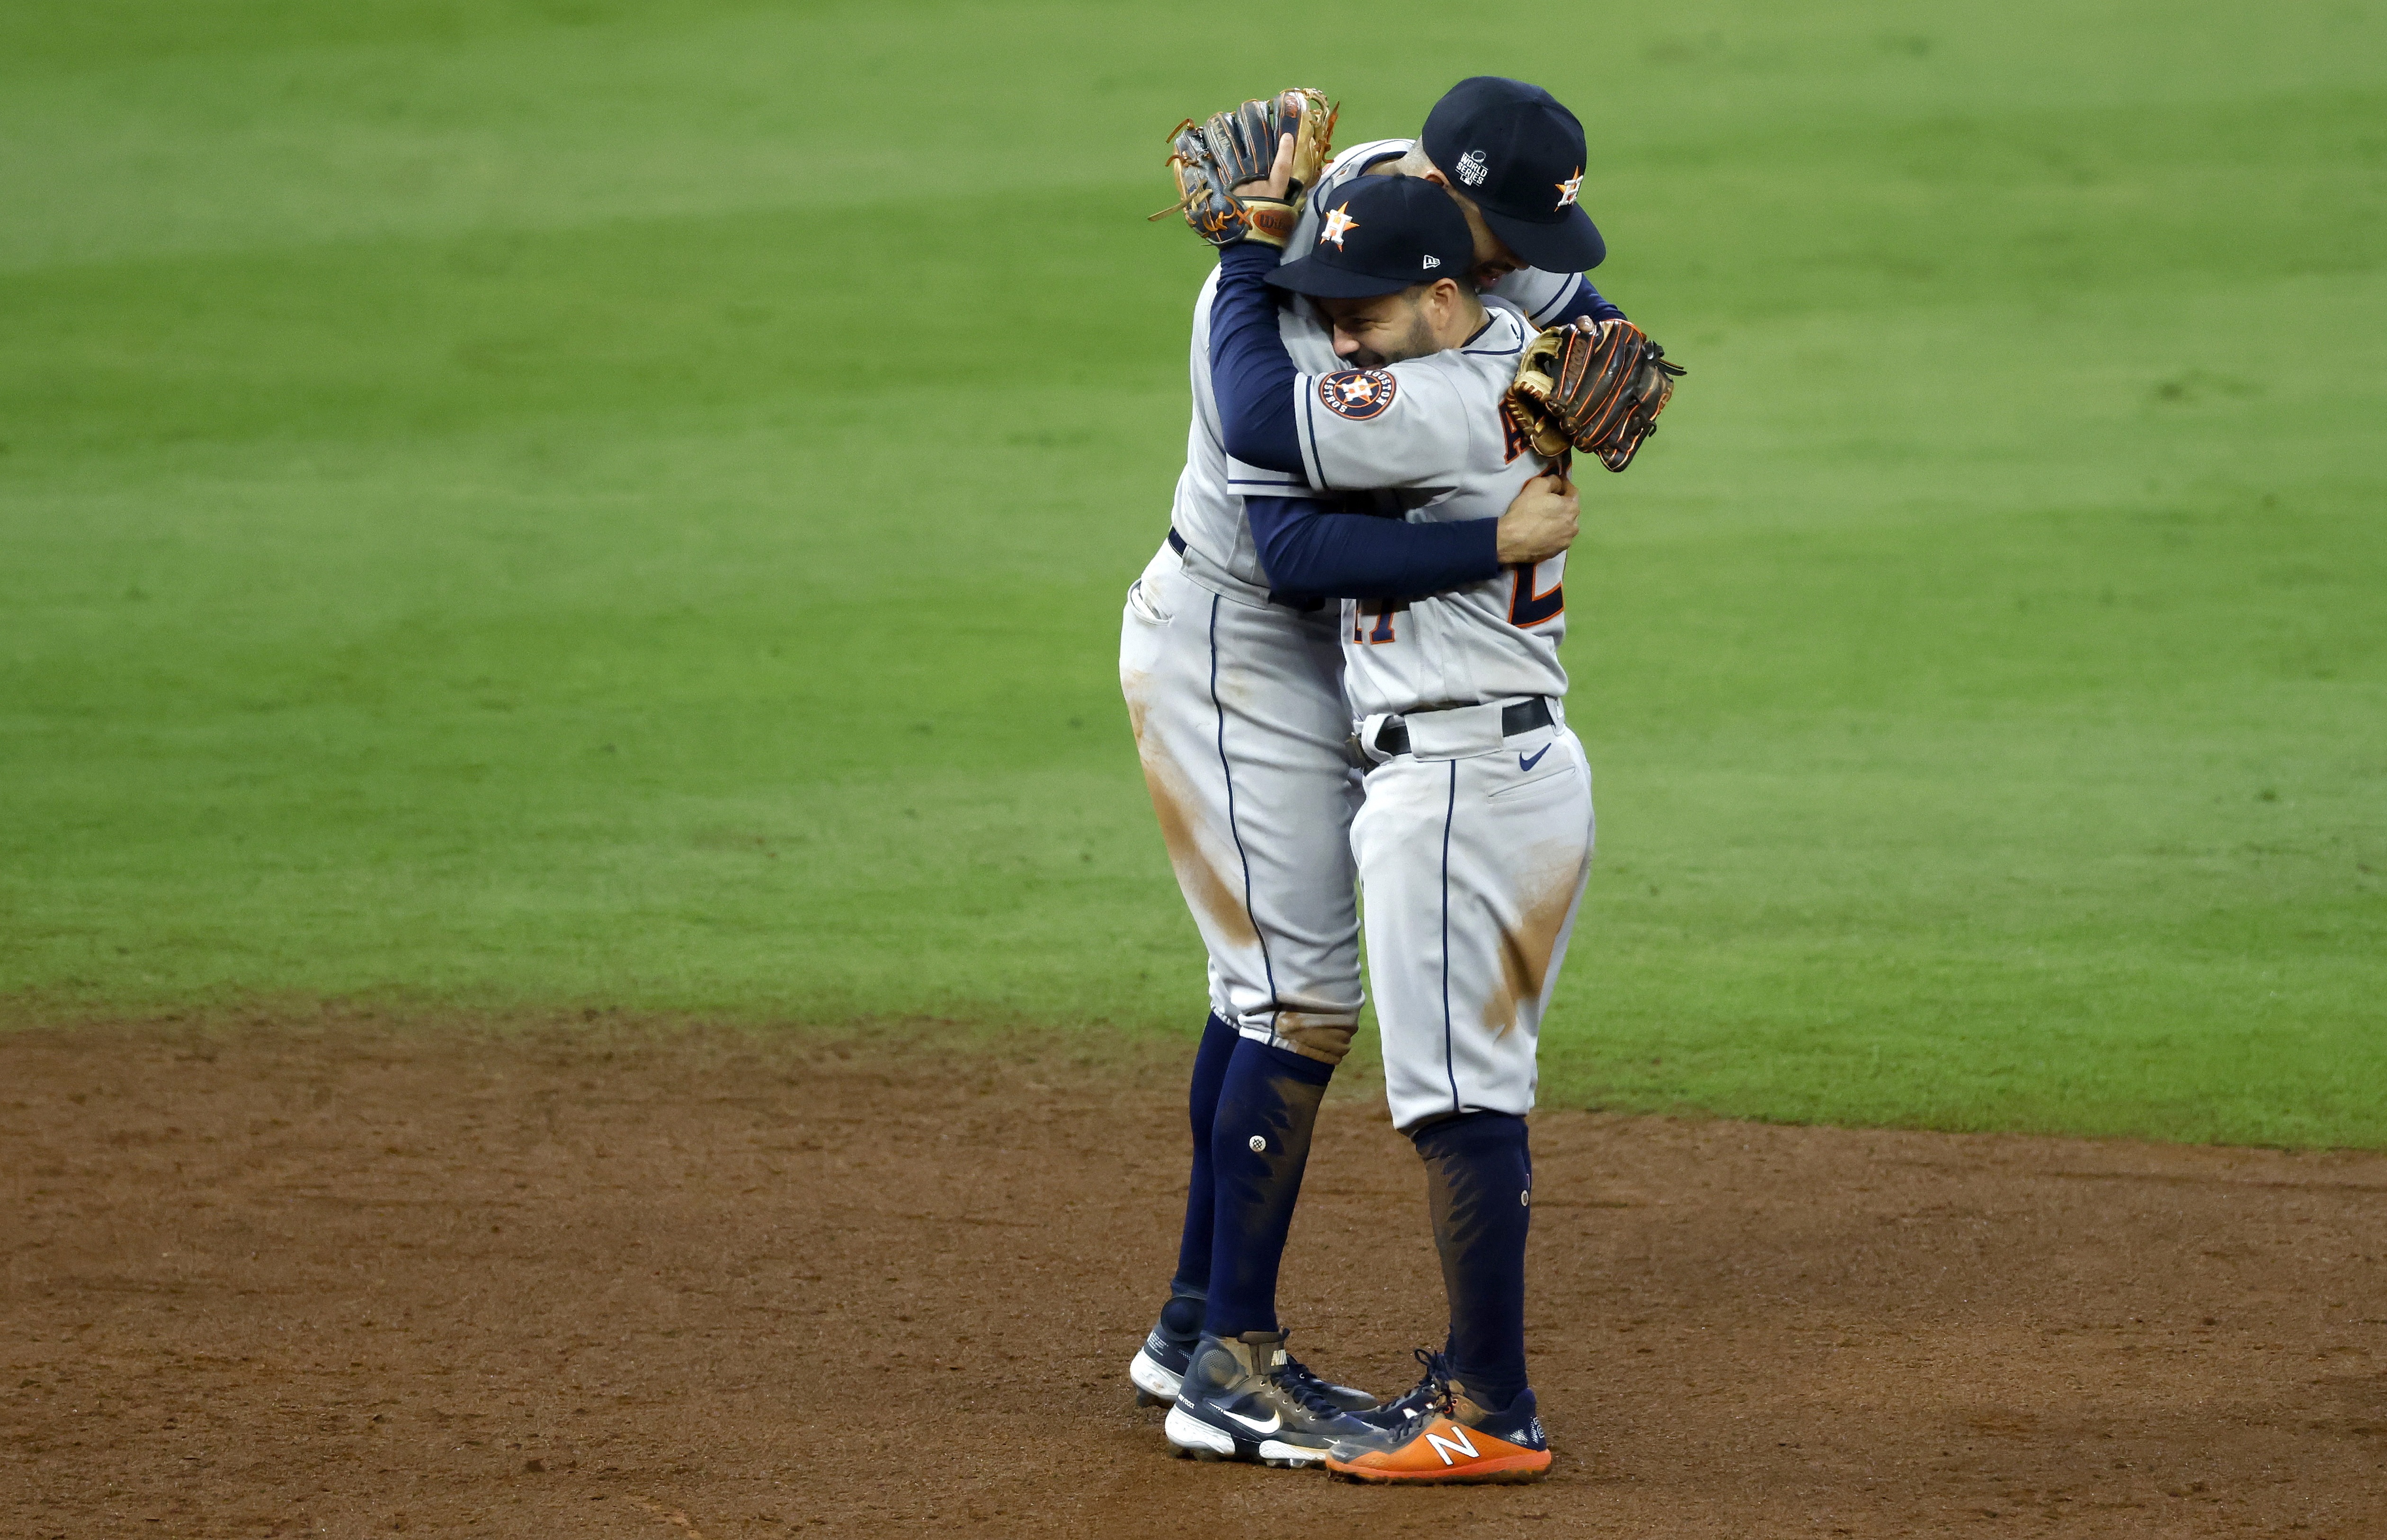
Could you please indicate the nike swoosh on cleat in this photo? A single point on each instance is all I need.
(1271, 1426)
(1524, 763)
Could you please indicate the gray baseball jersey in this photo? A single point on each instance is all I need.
(1430, 438)
(1208, 513)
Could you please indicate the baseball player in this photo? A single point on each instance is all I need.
(1474, 839)
(1232, 678)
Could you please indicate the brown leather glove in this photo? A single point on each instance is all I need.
(1599, 391)
(1212, 160)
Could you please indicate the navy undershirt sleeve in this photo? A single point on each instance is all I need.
(1309, 552)
(1586, 300)
(1251, 375)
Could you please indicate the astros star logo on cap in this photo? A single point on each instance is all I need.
(1569, 187)
(1338, 224)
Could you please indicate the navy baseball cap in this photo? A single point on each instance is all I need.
(1379, 234)
(1518, 154)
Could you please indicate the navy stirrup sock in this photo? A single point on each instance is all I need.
(1260, 1144)
(1211, 1062)
(1478, 1181)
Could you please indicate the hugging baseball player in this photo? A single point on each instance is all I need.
(1381, 487)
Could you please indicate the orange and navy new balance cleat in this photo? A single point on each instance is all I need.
(1449, 1439)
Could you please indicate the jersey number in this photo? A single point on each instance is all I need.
(1528, 609)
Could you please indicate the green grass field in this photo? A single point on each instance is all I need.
(550, 504)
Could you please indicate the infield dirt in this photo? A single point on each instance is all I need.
(349, 1278)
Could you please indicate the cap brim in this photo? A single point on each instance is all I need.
(1568, 244)
(1313, 277)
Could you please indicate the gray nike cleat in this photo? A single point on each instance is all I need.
(1158, 1366)
(1240, 1399)
(1157, 1371)
(1351, 1398)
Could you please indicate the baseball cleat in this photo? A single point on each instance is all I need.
(1419, 1400)
(1350, 1399)
(1158, 1366)
(1241, 1400)
(1157, 1371)
(1450, 1441)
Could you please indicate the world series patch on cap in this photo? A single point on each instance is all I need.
(1380, 235)
(1520, 156)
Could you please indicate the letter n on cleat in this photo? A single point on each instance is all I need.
(1457, 1441)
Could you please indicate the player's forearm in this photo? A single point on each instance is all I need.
(1251, 375)
(1310, 552)
(1585, 302)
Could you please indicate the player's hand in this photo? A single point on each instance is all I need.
(1541, 522)
(1279, 185)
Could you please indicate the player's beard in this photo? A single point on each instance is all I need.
(1414, 343)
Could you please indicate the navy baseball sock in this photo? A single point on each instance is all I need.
(1479, 1175)
(1210, 1061)
(1259, 1144)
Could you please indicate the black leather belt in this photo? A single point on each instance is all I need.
(1393, 737)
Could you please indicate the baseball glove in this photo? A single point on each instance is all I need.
(1211, 160)
(1599, 391)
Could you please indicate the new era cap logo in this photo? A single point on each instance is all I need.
(1432, 261)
